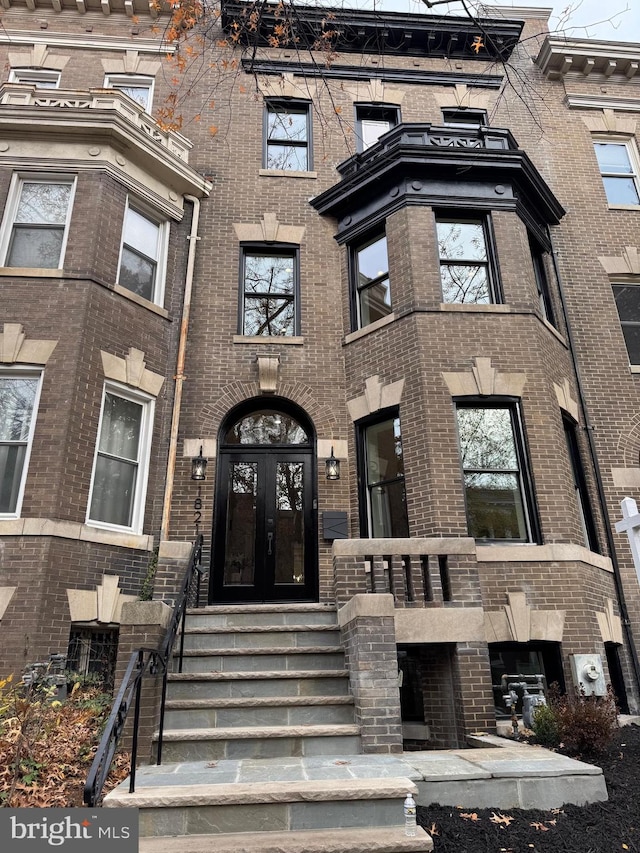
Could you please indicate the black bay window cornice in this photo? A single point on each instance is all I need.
(424, 164)
(393, 33)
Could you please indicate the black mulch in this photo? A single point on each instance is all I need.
(598, 828)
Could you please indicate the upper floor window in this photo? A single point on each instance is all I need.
(464, 117)
(372, 120)
(287, 143)
(36, 221)
(138, 87)
(18, 404)
(43, 78)
(540, 259)
(465, 265)
(119, 478)
(370, 269)
(627, 296)
(382, 475)
(269, 292)
(142, 256)
(497, 488)
(620, 171)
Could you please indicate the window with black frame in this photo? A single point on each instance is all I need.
(467, 269)
(269, 292)
(580, 484)
(540, 259)
(287, 144)
(370, 271)
(382, 478)
(498, 490)
(372, 121)
(627, 296)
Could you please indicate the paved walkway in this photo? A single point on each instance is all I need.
(493, 773)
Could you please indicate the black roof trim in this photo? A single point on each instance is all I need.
(419, 76)
(380, 32)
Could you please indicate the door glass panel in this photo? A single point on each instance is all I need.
(289, 532)
(266, 427)
(241, 524)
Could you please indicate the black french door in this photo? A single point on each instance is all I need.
(264, 544)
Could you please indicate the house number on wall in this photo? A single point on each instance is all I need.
(197, 511)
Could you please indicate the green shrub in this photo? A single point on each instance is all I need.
(577, 724)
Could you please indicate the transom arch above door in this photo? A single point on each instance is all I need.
(264, 527)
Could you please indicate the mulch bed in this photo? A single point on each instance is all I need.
(598, 828)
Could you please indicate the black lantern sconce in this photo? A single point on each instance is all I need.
(199, 467)
(332, 466)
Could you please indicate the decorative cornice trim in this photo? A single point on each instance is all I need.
(610, 625)
(603, 102)
(566, 399)
(82, 42)
(102, 604)
(626, 264)
(518, 622)
(376, 397)
(16, 348)
(559, 57)
(269, 230)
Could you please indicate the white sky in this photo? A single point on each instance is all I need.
(613, 20)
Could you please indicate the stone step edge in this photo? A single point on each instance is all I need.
(261, 650)
(283, 607)
(263, 793)
(257, 629)
(258, 732)
(369, 840)
(257, 702)
(251, 675)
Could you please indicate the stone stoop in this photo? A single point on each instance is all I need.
(259, 744)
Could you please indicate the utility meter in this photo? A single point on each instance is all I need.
(588, 674)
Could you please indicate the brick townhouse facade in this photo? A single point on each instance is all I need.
(419, 261)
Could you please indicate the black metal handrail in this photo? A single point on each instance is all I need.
(142, 661)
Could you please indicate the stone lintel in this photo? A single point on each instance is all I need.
(440, 625)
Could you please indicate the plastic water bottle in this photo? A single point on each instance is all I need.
(410, 823)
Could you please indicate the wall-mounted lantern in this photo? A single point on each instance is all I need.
(332, 466)
(199, 467)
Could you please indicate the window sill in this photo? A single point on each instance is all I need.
(372, 327)
(557, 334)
(140, 300)
(286, 173)
(31, 272)
(559, 552)
(291, 340)
(624, 206)
(634, 368)
(489, 307)
(74, 530)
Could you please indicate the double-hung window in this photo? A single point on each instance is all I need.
(36, 222)
(580, 485)
(19, 394)
(466, 269)
(370, 273)
(497, 486)
(269, 292)
(372, 120)
(620, 170)
(627, 296)
(119, 478)
(540, 258)
(287, 136)
(138, 87)
(142, 255)
(464, 117)
(43, 78)
(382, 476)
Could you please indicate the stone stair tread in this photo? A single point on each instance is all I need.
(258, 674)
(298, 607)
(259, 629)
(369, 840)
(255, 793)
(262, 732)
(263, 650)
(258, 702)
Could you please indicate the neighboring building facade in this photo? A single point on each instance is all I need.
(399, 261)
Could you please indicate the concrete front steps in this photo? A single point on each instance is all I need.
(260, 749)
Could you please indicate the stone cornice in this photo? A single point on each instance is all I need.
(559, 58)
(82, 41)
(604, 102)
(102, 116)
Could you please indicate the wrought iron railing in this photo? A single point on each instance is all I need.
(141, 662)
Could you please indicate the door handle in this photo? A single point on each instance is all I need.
(269, 543)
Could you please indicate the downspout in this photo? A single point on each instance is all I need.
(180, 377)
(624, 613)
